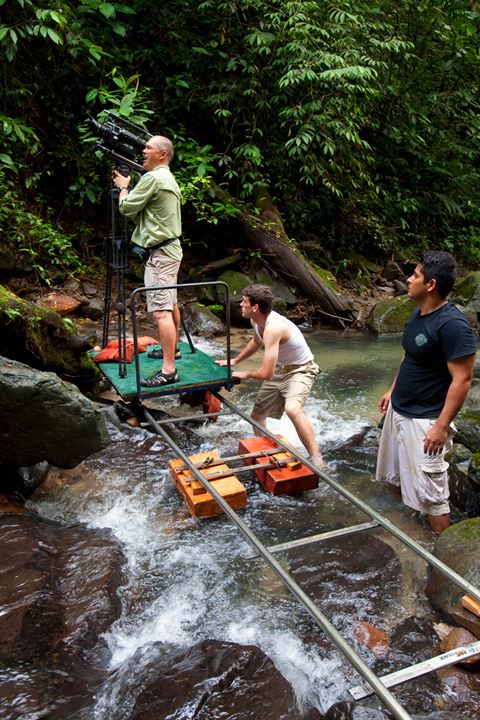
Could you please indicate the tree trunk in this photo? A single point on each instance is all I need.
(266, 232)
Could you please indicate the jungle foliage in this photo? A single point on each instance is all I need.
(361, 118)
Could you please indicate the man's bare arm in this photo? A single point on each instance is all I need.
(461, 371)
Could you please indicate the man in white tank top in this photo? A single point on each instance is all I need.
(288, 369)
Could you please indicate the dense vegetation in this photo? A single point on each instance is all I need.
(361, 118)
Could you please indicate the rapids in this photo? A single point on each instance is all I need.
(190, 580)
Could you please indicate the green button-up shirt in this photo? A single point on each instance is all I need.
(154, 205)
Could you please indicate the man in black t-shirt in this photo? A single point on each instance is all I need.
(430, 388)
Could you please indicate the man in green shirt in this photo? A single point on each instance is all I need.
(154, 205)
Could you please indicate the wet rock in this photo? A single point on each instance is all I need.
(411, 642)
(348, 710)
(45, 418)
(20, 482)
(389, 315)
(209, 681)
(463, 495)
(58, 591)
(366, 569)
(373, 638)
(360, 451)
(460, 637)
(468, 429)
(459, 548)
(465, 619)
(199, 320)
(460, 690)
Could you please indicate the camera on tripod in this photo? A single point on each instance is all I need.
(122, 140)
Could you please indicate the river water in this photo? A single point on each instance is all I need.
(188, 580)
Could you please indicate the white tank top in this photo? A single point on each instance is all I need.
(293, 351)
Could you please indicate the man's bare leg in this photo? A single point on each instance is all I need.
(305, 431)
(167, 334)
(176, 322)
(260, 419)
(438, 523)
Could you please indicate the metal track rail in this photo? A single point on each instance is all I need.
(386, 524)
(373, 681)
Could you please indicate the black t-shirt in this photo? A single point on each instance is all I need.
(430, 341)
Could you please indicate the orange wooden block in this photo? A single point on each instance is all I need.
(291, 477)
(200, 502)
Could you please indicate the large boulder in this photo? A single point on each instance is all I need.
(59, 594)
(199, 320)
(39, 337)
(459, 548)
(59, 587)
(389, 315)
(212, 679)
(45, 418)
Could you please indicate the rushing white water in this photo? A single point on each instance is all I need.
(188, 580)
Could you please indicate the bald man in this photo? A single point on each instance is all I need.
(154, 205)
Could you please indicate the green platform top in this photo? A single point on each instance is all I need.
(197, 371)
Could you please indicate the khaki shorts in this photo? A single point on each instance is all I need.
(292, 382)
(423, 479)
(160, 269)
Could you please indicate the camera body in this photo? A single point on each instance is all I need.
(122, 140)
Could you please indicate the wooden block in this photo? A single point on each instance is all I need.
(471, 604)
(200, 502)
(292, 477)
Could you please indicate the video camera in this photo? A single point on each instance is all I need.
(122, 143)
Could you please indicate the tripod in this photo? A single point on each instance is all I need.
(116, 261)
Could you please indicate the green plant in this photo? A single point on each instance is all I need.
(46, 246)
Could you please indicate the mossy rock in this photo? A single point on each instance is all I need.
(41, 339)
(236, 281)
(459, 548)
(467, 289)
(281, 291)
(390, 315)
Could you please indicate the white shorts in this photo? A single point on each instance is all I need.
(401, 461)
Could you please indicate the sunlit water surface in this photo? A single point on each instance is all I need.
(189, 580)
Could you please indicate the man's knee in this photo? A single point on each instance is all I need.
(161, 314)
(258, 417)
(294, 409)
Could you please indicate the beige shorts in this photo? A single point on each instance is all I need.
(423, 479)
(160, 269)
(292, 382)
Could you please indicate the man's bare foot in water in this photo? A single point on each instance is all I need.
(317, 459)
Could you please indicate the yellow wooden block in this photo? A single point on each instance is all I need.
(471, 604)
(200, 501)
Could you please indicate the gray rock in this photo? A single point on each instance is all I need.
(92, 308)
(199, 320)
(45, 418)
(393, 271)
(463, 495)
(459, 548)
